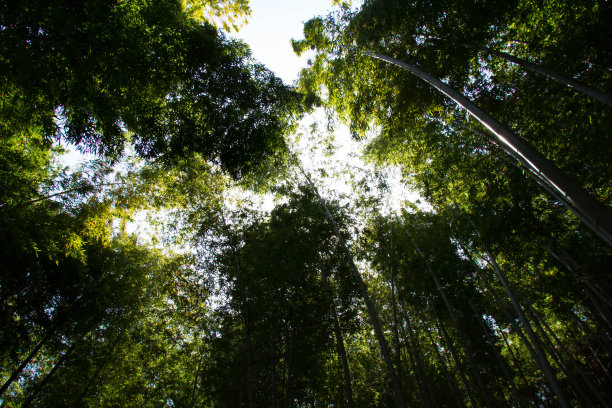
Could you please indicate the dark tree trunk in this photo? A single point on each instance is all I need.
(602, 341)
(289, 363)
(249, 356)
(418, 362)
(414, 381)
(398, 354)
(272, 364)
(546, 331)
(450, 378)
(517, 364)
(38, 387)
(458, 365)
(545, 365)
(473, 366)
(597, 297)
(500, 360)
(196, 377)
(562, 79)
(340, 349)
(245, 318)
(534, 349)
(27, 361)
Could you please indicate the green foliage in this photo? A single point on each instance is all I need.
(143, 72)
(251, 308)
(230, 14)
(469, 182)
(432, 135)
(276, 298)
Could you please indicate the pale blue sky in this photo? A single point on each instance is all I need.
(271, 26)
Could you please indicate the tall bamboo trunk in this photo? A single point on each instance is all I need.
(498, 357)
(414, 380)
(572, 83)
(422, 380)
(451, 379)
(382, 342)
(598, 297)
(345, 367)
(196, 377)
(566, 259)
(594, 214)
(456, 359)
(601, 340)
(398, 353)
(473, 366)
(545, 365)
(245, 317)
(562, 79)
(515, 326)
(534, 349)
(249, 356)
(546, 330)
(579, 391)
(38, 387)
(289, 361)
(340, 349)
(517, 363)
(272, 354)
(27, 360)
(592, 291)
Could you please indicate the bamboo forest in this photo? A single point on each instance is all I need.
(421, 219)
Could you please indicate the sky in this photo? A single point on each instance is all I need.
(272, 25)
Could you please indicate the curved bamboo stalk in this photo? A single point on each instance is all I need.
(594, 214)
(572, 83)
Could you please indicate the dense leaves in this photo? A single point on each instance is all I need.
(422, 130)
(494, 296)
(144, 72)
